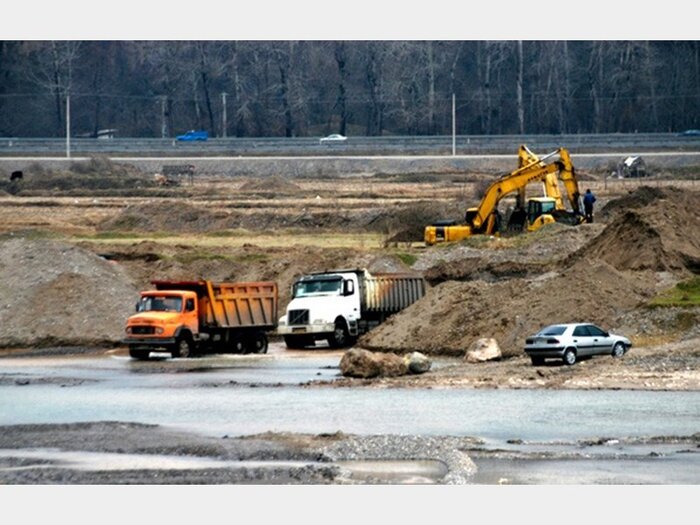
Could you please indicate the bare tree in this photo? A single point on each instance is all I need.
(53, 71)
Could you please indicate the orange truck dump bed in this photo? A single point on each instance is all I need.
(190, 317)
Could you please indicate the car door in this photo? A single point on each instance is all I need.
(583, 341)
(600, 339)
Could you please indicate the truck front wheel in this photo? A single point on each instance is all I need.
(340, 337)
(183, 348)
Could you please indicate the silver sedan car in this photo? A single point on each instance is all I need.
(572, 341)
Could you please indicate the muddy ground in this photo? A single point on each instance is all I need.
(112, 452)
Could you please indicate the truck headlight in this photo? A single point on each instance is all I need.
(128, 330)
(159, 330)
(318, 321)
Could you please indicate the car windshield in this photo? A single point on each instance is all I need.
(555, 329)
(321, 286)
(160, 303)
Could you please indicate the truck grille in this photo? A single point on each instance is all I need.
(143, 330)
(298, 317)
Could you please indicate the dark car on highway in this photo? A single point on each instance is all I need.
(570, 342)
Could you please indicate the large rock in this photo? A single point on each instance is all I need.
(484, 349)
(418, 363)
(363, 363)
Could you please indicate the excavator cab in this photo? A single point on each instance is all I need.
(540, 211)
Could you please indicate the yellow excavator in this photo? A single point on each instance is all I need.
(485, 219)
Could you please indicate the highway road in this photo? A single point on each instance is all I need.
(282, 147)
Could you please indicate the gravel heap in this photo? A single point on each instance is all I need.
(53, 293)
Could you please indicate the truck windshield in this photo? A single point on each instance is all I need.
(318, 287)
(160, 303)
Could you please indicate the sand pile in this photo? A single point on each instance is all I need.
(454, 314)
(53, 293)
(653, 229)
(269, 184)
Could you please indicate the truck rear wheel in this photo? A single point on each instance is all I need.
(257, 343)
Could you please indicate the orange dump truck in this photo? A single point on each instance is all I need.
(187, 318)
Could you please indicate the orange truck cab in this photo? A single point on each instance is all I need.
(186, 318)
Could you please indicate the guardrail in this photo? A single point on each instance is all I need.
(360, 146)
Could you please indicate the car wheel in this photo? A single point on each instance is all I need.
(618, 350)
(569, 356)
(537, 361)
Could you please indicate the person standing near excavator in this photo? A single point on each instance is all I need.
(588, 200)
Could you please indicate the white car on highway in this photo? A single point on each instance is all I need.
(572, 341)
(333, 138)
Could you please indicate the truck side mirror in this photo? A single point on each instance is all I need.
(348, 288)
(137, 307)
(189, 305)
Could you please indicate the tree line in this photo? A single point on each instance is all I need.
(374, 88)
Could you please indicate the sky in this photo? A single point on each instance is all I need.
(343, 20)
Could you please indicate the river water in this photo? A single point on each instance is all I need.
(239, 395)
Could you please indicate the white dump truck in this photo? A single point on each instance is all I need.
(340, 305)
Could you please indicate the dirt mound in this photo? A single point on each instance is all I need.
(658, 232)
(164, 215)
(642, 196)
(97, 174)
(269, 184)
(479, 269)
(58, 294)
(454, 314)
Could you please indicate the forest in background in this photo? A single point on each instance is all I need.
(309, 88)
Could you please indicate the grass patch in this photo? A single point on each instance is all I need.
(407, 258)
(30, 235)
(685, 293)
(109, 235)
(226, 233)
(187, 258)
(252, 258)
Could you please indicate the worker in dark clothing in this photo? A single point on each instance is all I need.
(588, 200)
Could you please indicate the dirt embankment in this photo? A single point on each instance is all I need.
(404, 224)
(648, 244)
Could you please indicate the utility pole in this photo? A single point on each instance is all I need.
(454, 126)
(68, 125)
(163, 121)
(223, 114)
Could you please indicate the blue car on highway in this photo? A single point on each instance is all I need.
(194, 135)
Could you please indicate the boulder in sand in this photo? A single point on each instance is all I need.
(484, 349)
(418, 363)
(365, 364)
